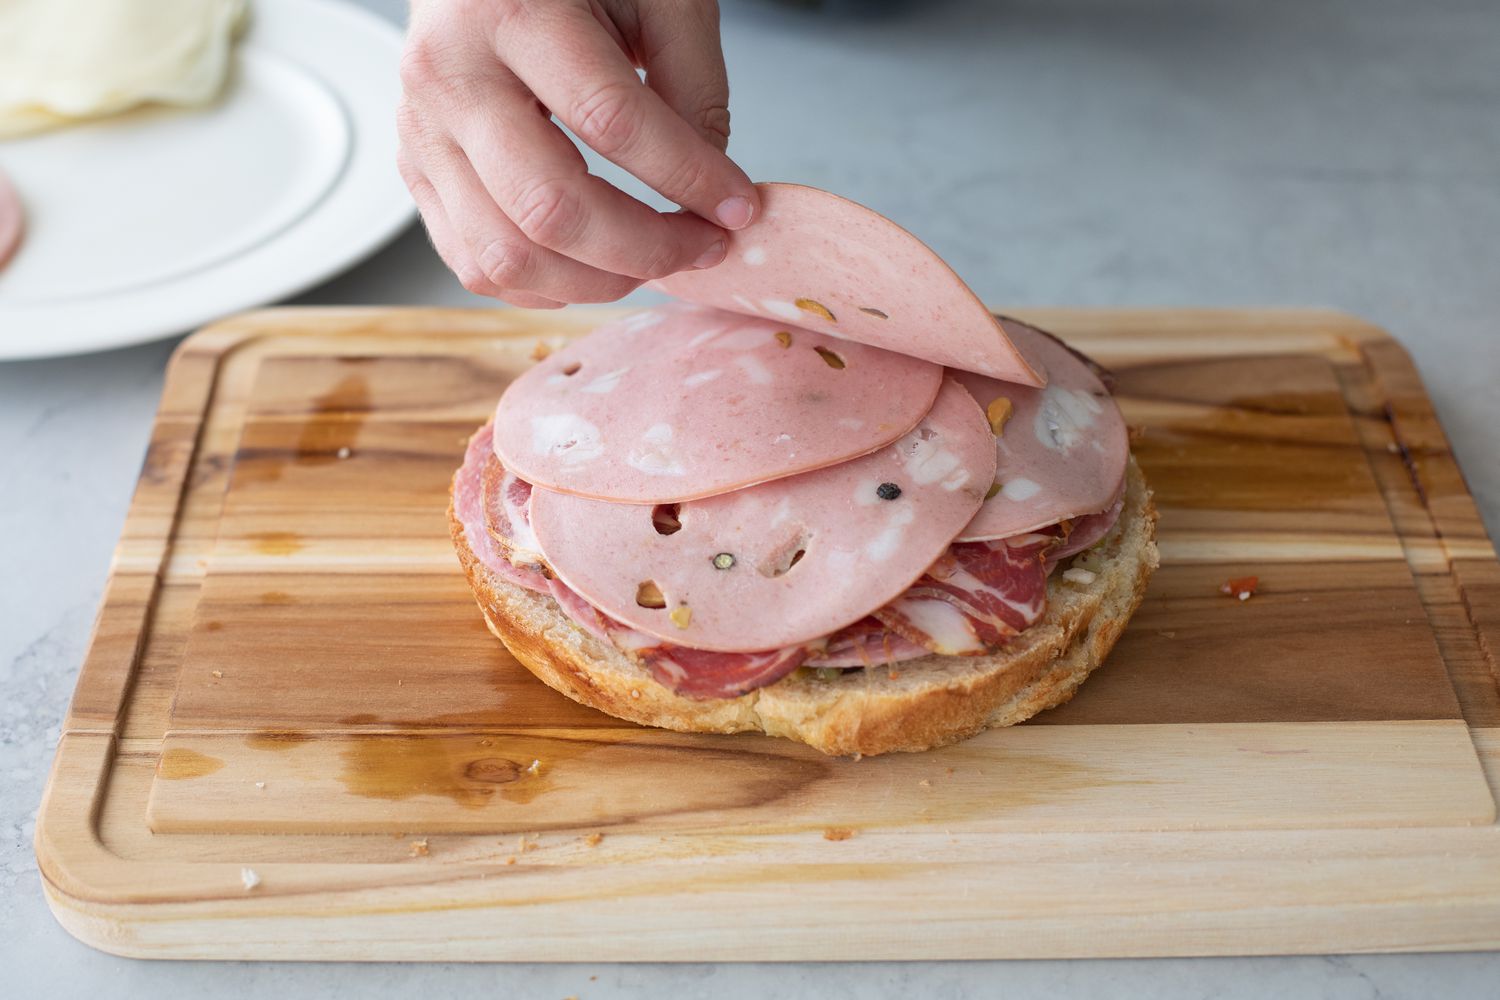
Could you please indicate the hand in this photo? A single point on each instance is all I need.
(508, 199)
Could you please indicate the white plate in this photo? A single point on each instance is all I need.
(152, 223)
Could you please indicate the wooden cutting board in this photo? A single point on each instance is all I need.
(293, 737)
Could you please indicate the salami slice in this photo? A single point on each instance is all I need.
(12, 220)
(686, 402)
(974, 599)
(1061, 451)
(825, 263)
(787, 561)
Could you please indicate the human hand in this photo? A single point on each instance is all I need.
(508, 199)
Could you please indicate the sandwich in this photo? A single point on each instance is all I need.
(825, 495)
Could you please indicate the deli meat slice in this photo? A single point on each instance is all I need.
(785, 562)
(866, 643)
(482, 508)
(825, 263)
(698, 673)
(1061, 451)
(470, 503)
(692, 673)
(974, 599)
(685, 402)
(507, 516)
(1085, 531)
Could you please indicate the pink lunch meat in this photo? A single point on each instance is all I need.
(686, 402)
(470, 500)
(969, 598)
(785, 562)
(1061, 453)
(826, 263)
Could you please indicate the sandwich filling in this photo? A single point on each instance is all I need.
(827, 453)
(818, 544)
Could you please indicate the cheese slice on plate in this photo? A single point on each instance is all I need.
(66, 60)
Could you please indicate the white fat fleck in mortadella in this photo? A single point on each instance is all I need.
(1061, 450)
(826, 263)
(685, 401)
(785, 561)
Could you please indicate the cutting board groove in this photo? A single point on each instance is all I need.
(288, 675)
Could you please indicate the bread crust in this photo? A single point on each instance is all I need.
(914, 705)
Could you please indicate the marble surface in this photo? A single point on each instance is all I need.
(1149, 152)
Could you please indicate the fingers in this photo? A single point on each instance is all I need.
(564, 57)
(502, 253)
(542, 185)
(684, 63)
(508, 199)
(450, 246)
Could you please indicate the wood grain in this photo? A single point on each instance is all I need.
(1031, 778)
(288, 674)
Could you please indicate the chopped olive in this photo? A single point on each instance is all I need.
(888, 491)
(723, 561)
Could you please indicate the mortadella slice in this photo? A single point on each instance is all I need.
(826, 263)
(1062, 450)
(685, 402)
(12, 220)
(785, 562)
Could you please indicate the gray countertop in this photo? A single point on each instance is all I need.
(1144, 152)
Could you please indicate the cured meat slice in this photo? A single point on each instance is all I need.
(1085, 531)
(484, 498)
(698, 673)
(12, 220)
(975, 598)
(585, 615)
(692, 673)
(1061, 451)
(785, 562)
(470, 503)
(828, 264)
(507, 517)
(686, 402)
(866, 643)
(490, 505)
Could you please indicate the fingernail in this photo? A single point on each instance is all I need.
(734, 213)
(711, 256)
